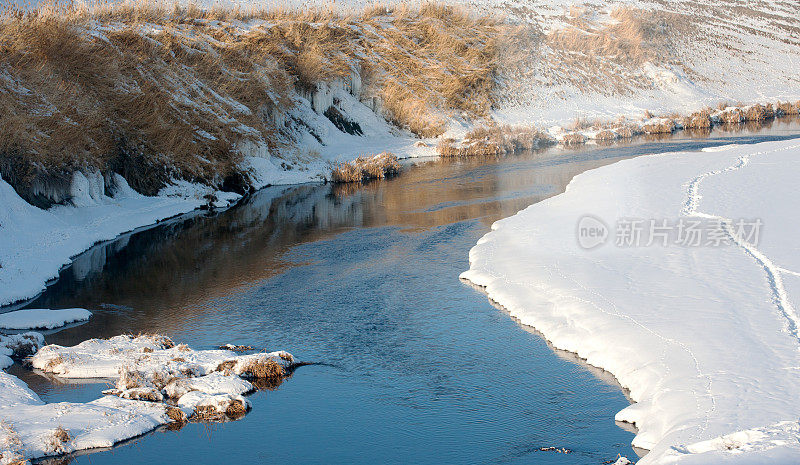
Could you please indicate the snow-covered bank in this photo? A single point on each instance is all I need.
(703, 333)
(36, 243)
(42, 318)
(157, 383)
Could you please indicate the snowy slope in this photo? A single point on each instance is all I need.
(676, 56)
(704, 336)
(696, 54)
(689, 55)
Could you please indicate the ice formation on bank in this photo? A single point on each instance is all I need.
(705, 335)
(41, 318)
(157, 382)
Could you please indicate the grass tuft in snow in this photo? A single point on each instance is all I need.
(494, 140)
(58, 440)
(365, 168)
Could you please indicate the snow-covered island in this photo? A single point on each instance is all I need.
(155, 382)
(694, 313)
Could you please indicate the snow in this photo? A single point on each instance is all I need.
(154, 378)
(704, 337)
(25, 343)
(756, 63)
(39, 318)
(36, 243)
(709, 64)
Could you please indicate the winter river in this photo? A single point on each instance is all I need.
(410, 364)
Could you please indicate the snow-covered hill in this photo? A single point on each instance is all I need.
(603, 59)
(600, 59)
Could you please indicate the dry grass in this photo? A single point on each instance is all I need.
(732, 116)
(592, 55)
(606, 135)
(160, 380)
(226, 367)
(130, 379)
(263, 369)
(206, 413)
(59, 438)
(176, 415)
(53, 363)
(628, 131)
(787, 108)
(143, 394)
(660, 127)
(697, 120)
(163, 93)
(163, 342)
(494, 140)
(365, 168)
(236, 409)
(573, 138)
(11, 444)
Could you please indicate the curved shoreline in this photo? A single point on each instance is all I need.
(566, 302)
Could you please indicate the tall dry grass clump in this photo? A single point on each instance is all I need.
(365, 168)
(157, 92)
(788, 108)
(697, 120)
(494, 140)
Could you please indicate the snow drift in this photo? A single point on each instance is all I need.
(705, 336)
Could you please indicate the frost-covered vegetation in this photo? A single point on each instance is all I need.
(159, 93)
(155, 382)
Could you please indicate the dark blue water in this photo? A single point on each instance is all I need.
(413, 366)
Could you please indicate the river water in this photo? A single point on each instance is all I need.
(410, 365)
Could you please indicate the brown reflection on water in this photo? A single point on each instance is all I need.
(172, 275)
(169, 274)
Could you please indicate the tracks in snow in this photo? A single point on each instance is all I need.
(772, 271)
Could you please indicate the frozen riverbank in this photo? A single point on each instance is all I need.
(36, 243)
(703, 334)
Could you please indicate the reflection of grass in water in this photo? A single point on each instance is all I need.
(366, 168)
